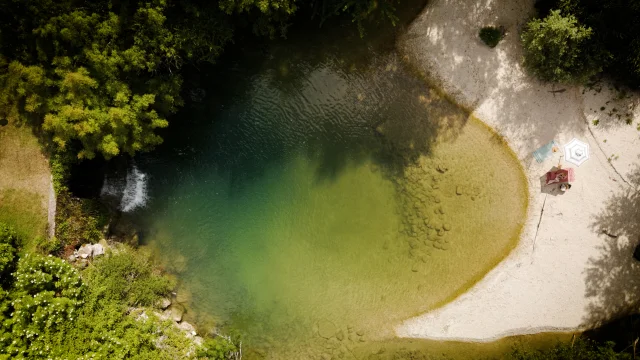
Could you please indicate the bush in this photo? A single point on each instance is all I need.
(217, 349)
(8, 245)
(559, 49)
(44, 298)
(491, 35)
(127, 276)
(78, 221)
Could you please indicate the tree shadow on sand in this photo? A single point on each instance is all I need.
(613, 278)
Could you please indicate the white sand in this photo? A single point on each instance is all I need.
(565, 274)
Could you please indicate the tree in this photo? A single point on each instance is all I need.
(97, 81)
(558, 49)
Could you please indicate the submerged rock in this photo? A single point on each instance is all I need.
(175, 312)
(164, 303)
(188, 328)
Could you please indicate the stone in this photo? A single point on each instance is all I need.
(446, 227)
(459, 190)
(340, 335)
(164, 303)
(71, 258)
(85, 251)
(413, 244)
(198, 340)
(188, 328)
(441, 210)
(360, 332)
(176, 312)
(326, 329)
(414, 268)
(98, 250)
(440, 232)
(437, 200)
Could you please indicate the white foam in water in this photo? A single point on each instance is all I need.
(134, 194)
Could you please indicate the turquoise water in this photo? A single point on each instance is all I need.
(322, 194)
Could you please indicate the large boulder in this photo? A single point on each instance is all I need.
(85, 251)
(98, 250)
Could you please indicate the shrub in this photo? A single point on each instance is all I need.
(558, 49)
(491, 35)
(8, 245)
(217, 348)
(127, 276)
(44, 298)
(78, 221)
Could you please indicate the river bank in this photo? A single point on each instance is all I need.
(572, 268)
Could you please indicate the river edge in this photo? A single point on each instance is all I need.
(562, 239)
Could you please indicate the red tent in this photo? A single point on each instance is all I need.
(560, 176)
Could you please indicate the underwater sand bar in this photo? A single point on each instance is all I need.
(562, 275)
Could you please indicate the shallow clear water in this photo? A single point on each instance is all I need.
(325, 194)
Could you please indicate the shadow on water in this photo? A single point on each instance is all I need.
(613, 278)
(340, 99)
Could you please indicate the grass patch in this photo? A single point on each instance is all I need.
(23, 211)
(491, 35)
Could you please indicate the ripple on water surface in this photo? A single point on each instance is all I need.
(327, 203)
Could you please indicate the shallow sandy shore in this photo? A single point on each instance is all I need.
(566, 273)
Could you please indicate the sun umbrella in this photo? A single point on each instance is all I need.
(576, 152)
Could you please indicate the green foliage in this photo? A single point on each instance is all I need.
(48, 246)
(44, 297)
(581, 349)
(216, 349)
(616, 27)
(78, 221)
(558, 49)
(8, 250)
(48, 311)
(96, 79)
(59, 165)
(128, 277)
(491, 35)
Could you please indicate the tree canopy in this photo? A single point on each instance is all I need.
(557, 49)
(605, 33)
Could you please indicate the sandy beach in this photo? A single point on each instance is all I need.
(573, 267)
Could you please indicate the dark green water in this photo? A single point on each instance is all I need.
(322, 194)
